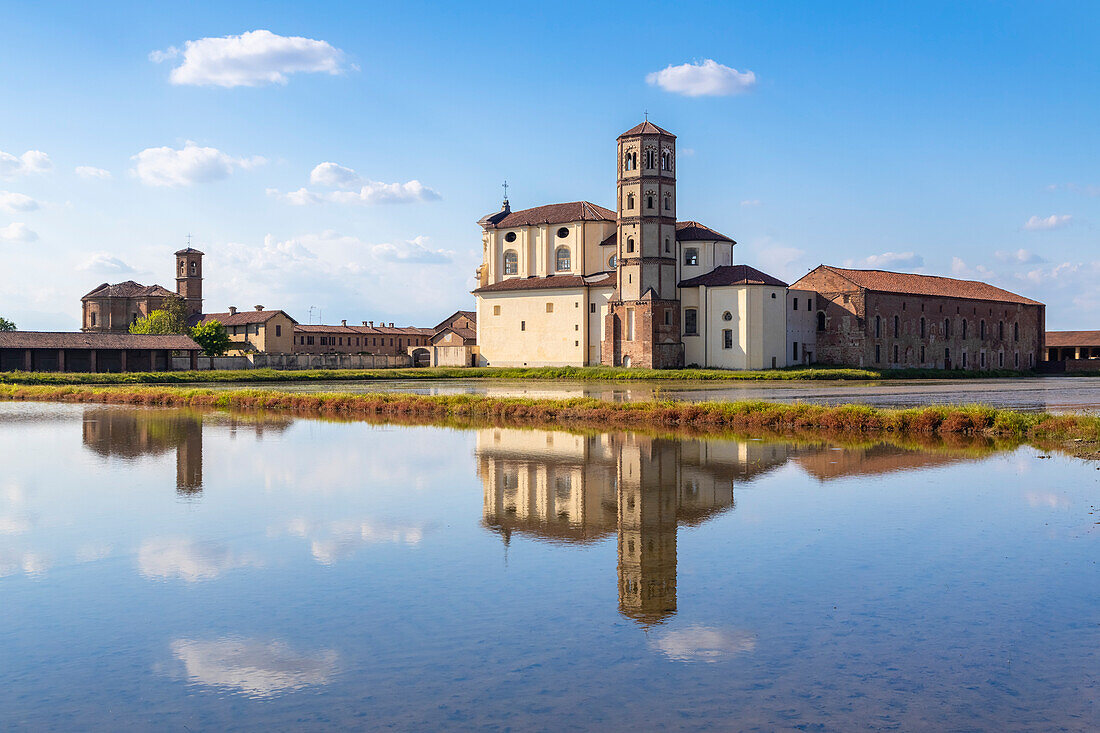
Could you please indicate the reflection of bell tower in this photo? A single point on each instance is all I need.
(642, 327)
(189, 459)
(189, 279)
(648, 470)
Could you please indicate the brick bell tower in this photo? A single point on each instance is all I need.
(642, 327)
(189, 279)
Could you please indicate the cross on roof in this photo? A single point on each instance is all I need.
(505, 187)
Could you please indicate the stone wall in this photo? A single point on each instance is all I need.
(298, 361)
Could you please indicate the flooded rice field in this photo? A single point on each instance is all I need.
(178, 570)
(1032, 394)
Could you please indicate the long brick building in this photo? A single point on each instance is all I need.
(879, 319)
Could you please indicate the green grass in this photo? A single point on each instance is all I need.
(1079, 434)
(610, 374)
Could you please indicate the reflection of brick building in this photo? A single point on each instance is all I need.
(114, 307)
(873, 318)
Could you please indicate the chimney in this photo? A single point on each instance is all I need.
(370, 323)
(344, 322)
(364, 323)
(258, 307)
(232, 310)
(391, 325)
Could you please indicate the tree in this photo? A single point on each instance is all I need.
(171, 317)
(212, 337)
(6, 325)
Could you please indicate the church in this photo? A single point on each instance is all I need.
(575, 284)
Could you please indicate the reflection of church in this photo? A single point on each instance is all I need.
(133, 434)
(579, 489)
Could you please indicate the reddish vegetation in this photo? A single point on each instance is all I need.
(583, 413)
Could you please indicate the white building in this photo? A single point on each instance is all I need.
(576, 284)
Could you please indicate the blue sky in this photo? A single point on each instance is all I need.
(947, 138)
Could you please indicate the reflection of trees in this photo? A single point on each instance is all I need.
(579, 489)
(131, 434)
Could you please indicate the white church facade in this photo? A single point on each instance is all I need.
(575, 284)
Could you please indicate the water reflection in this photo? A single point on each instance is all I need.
(133, 434)
(578, 489)
(257, 668)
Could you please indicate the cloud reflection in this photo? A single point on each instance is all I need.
(703, 643)
(29, 563)
(180, 557)
(333, 541)
(257, 668)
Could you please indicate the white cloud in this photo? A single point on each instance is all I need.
(751, 202)
(1020, 256)
(334, 176)
(177, 557)
(708, 78)
(17, 232)
(16, 202)
(413, 250)
(32, 161)
(776, 259)
(374, 192)
(1054, 221)
(369, 194)
(703, 644)
(888, 261)
(262, 669)
(959, 268)
(191, 164)
(92, 173)
(251, 59)
(106, 263)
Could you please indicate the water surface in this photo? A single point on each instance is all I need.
(171, 569)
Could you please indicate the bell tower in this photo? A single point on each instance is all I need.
(642, 328)
(189, 279)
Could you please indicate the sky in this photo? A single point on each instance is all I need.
(332, 159)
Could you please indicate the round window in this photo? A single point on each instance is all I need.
(563, 233)
(727, 316)
(611, 261)
(510, 237)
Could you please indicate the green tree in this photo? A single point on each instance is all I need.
(171, 317)
(212, 337)
(6, 325)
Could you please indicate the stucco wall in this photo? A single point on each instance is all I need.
(544, 339)
(801, 327)
(756, 319)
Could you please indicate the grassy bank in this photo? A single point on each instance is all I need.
(704, 417)
(596, 374)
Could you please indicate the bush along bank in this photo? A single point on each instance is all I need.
(592, 374)
(774, 419)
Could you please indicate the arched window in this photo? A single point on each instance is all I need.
(182, 266)
(1016, 332)
(897, 330)
(666, 160)
(628, 162)
(668, 245)
(878, 327)
(194, 269)
(562, 259)
(649, 202)
(964, 328)
(947, 328)
(630, 244)
(668, 202)
(983, 330)
(511, 262)
(630, 201)
(922, 332)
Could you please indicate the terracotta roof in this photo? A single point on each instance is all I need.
(646, 128)
(94, 340)
(883, 281)
(355, 330)
(552, 214)
(612, 238)
(1073, 338)
(189, 251)
(693, 231)
(600, 280)
(128, 289)
(468, 335)
(240, 318)
(472, 315)
(732, 275)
